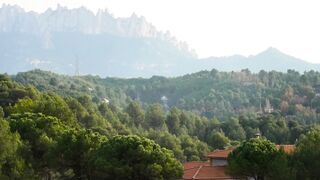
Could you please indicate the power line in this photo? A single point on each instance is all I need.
(77, 69)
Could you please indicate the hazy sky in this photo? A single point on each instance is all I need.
(220, 27)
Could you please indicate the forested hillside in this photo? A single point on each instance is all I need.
(212, 94)
(233, 104)
(59, 126)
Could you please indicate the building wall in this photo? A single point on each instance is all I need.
(218, 162)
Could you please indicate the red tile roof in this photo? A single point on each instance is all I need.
(212, 172)
(190, 173)
(194, 164)
(223, 154)
(206, 172)
(288, 148)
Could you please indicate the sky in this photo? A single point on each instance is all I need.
(219, 27)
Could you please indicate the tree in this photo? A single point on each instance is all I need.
(155, 116)
(173, 121)
(133, 157)
(169, 141)
(218, 140)
(193, 148)
(11, 167)
(39, 134)
(307, 155)
(258, 158)
(234, 130)
(49, 104)
(10, 91)
(136, 113)
(54, 81)
(1, 113)
(74, 149)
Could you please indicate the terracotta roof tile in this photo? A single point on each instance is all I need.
(206, 172)
(189, 173)
(220, 153)
(212, 172)
(193, 164)
(288, 148)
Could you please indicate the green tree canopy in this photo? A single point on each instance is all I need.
(136, 113)
(307, 155)
(258, 158)
(155, 116)
(218, 140)
(73, 150)
(173, 121)
(11, 166)
(39, 134)
(49, 104)
(133, 157)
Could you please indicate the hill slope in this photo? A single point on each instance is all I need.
(209, 93)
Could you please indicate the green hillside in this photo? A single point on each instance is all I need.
(60, 126)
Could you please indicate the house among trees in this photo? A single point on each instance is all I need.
(267, 108)
(214, 168)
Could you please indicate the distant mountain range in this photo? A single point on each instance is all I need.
(77, 40)
(270, 59)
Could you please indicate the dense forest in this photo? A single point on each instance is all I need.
(81, 127)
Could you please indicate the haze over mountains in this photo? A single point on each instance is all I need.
(64, 40)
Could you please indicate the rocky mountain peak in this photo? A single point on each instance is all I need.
(81, 20)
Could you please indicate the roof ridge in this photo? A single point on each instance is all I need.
(192, 168)
(194, 176)
(285, 145)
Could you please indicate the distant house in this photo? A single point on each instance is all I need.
(268, 108)
(211, 170)
(105, 100)
(214, 168)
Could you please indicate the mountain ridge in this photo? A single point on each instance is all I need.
(68, 41)
(269, 59)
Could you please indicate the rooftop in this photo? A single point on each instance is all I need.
(220, 153)
(223, 154)
(206, 172)
(288, 148)
(194, 164)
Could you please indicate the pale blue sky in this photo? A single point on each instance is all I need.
(220, 27)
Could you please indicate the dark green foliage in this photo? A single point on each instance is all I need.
(49, 104)
(194, 149)
(61, 124)
(155, 117)
(218, 140)
(212, 94)
(234, 130)
(307, 155)
(12, 165)
(169, 141)
(133, 157)
(48, 139)
(39, 134)
(258, 158)
(11, 91)
(173, 121)
(73, 150)
(136, 113)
